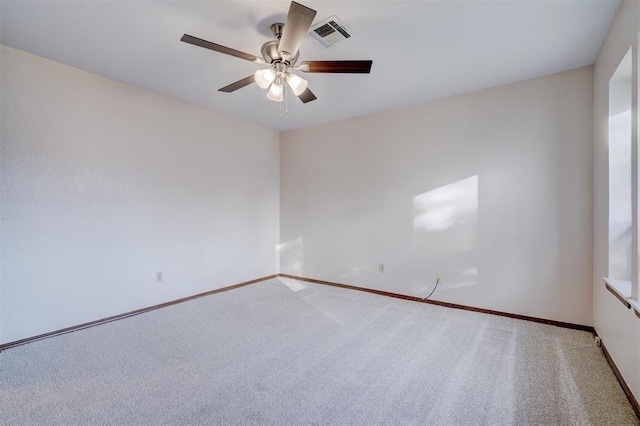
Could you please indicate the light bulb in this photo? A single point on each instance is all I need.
(298, 84)
(275, 92)
(264, 77)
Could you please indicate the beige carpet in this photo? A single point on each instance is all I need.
(299, 353)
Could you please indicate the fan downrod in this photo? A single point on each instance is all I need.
(276, 29)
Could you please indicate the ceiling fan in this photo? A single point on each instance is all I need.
(281, 56)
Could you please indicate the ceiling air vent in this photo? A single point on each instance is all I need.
(330, 31)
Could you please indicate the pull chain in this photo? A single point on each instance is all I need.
(286, 98)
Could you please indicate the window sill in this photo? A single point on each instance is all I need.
(635, 304)
(621, 289)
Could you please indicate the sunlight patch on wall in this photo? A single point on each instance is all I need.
(354, 270)
(447, 206)
(445, 222)
(465, 278)
(290, 257)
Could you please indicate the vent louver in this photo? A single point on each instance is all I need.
(330, 31)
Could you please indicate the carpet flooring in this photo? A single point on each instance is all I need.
(284, 352)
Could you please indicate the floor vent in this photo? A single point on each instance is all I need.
(330, 31)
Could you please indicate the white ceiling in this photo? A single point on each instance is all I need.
(421, 50)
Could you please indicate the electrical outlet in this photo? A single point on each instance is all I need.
(159, 276)
(380, 267)
(440, 278)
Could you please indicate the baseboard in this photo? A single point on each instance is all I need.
(128, 314)
(329, 283)
(623, 384)
(445, 304)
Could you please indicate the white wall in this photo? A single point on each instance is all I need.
(491, 189)
(104, 184)
(618, 326)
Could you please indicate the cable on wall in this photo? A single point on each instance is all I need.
(434, 289)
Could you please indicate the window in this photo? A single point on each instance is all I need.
(621, 169)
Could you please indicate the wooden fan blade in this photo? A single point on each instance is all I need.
(237, 85)
(218, 48)
(307, 96)
(297, 25)
(351, 67)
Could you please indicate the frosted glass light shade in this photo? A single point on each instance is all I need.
(264, 77)
(275, 92)
(298, 84)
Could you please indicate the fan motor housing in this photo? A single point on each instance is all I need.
(270, 49)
